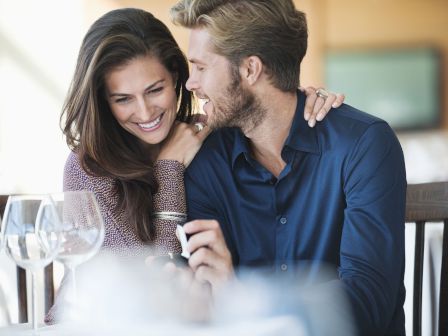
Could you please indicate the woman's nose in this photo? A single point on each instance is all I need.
(144, 109)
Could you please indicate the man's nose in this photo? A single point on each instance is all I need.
(191, 84)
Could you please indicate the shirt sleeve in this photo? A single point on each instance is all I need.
(372, 245)
(198, 200)
(201, 205)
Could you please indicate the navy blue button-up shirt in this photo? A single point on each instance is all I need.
(339, 201)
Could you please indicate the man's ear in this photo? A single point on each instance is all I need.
(251, 69)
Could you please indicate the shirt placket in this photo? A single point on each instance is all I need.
(281, 219)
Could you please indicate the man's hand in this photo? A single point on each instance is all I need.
(193, 299)
(210, 258)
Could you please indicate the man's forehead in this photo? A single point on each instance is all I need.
(199, 44)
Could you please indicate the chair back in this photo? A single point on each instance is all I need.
(426, 203)
(21, 282)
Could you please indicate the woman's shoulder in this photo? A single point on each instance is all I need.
(72, 161)
(73, 168)
(77, 178)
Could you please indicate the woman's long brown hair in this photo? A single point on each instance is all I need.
(103, 146)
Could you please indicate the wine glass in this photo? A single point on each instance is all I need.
(30, 239)
(81, 230)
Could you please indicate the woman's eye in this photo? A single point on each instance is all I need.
(156, 90)
(121, 100)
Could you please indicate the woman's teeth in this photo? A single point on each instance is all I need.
(152, 124)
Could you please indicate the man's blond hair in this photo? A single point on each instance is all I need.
(273, 30)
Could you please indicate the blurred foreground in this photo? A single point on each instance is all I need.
(116, 297)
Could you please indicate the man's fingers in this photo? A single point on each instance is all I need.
(212, 239)
(205, 273)
(200, 225)
(206, 256)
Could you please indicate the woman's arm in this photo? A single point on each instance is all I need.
(170, 198)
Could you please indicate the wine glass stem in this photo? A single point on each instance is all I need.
(34, 301)
(73, 278)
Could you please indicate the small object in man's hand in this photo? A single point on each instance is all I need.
(181, 235)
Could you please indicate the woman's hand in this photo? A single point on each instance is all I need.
(317, 106)
(183, 142)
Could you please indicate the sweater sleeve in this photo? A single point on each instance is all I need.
(169, 197)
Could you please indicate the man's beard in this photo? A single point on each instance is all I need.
(238, 108)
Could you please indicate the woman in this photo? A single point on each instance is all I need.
(127, 93)
(127, 119)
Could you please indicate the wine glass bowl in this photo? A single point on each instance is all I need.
(81, 229)
(30, 232)
(30, 236)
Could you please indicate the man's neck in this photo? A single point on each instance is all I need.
(268, 138)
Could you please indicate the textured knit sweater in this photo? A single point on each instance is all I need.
(120, 236)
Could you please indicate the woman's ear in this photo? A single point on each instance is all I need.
(251, 69)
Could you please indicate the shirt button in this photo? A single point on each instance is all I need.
(284, 267)
(283, 220)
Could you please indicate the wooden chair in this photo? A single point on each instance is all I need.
(21, 281)
(428, 202)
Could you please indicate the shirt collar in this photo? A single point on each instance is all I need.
(301, 137)
(240, 146)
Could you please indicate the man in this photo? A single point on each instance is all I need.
(265, 190)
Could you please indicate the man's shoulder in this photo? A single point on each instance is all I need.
(350, 116)
(216, 151)
(347, 122)
(346, 129)
(219, 142)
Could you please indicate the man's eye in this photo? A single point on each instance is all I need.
(199, 68)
